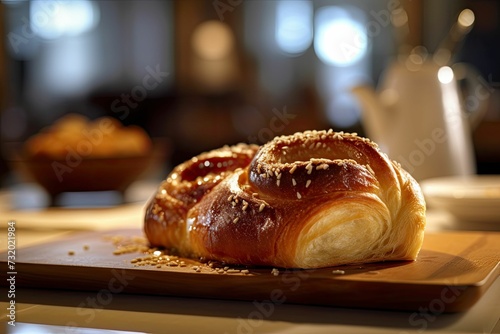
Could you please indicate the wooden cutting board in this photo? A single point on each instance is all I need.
(451, 273)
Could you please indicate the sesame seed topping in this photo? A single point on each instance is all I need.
(294, 182)
(278, 182)
(235, 220)
(338, 272)
(309, 168)
(299, 196)
(308, 183)
(293, 169)
(322, 166)
(261, 207)
(230, 198)
(275, 272)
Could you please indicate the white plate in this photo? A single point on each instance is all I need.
(470, 199)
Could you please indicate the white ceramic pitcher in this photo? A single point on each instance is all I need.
(418, 116)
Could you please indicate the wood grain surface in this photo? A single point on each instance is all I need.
(451, 273)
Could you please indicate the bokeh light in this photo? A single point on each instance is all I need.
(340, 39)
(294, 26)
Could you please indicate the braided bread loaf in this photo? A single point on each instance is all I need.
(310, 200)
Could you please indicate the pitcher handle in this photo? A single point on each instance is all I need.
(476, 92)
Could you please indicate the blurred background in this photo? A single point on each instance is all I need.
(202, 74)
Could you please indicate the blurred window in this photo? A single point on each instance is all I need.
(52, 19)
(294, 27)
(340, 37)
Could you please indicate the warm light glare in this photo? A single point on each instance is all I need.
(212, 40)
(340, 39)
(445, 74)
(399, 17)
(466, 18)
(294, 27)
(51, 19)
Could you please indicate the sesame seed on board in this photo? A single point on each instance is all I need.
(152, 257)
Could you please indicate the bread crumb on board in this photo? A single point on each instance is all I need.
(160, 258)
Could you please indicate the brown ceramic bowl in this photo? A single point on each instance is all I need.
(89, 174)
(70, 174)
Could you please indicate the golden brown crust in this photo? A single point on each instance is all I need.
(314, 199)
(185, 188)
